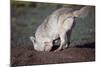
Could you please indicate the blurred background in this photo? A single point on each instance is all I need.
(27, 16)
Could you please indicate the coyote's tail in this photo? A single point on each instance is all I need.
(81, 12)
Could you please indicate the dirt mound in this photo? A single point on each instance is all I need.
(28, 56)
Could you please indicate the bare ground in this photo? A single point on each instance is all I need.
(26, 55)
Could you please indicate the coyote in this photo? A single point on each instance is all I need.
(56, 25)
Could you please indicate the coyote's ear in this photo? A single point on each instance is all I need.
(32, 39)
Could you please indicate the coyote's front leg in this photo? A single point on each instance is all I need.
(62, 38)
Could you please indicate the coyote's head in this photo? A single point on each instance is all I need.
(41, 46)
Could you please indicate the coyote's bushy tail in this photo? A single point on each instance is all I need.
(82, 12)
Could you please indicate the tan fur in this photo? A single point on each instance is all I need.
(54, 26)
